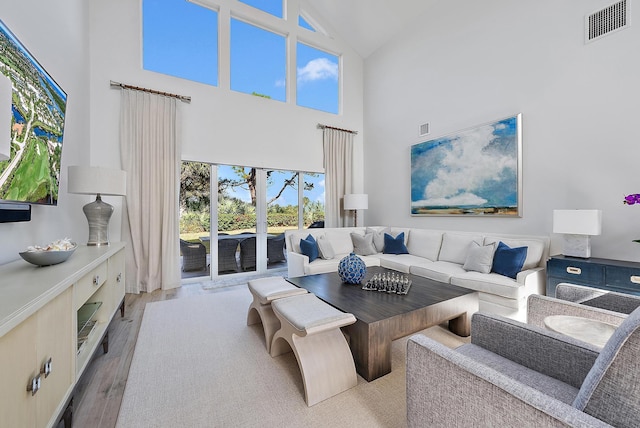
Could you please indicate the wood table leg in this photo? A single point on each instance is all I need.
(371, 348)
(462, 324)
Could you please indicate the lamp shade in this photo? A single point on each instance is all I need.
(577, 222)
(356, 201)
(93, 180)
(6, 89)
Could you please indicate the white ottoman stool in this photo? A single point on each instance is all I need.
(265, 290)
(311, 328)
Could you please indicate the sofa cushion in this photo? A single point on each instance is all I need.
(491, 283)
(438, 271)
(536, 380)
(454, 247)
(363, 245)
(508, 261)
(340, 241)
(400, 262)
(327, 266)
(425, 243)
(309, 248)
(479, 257)
(395, 231)
(325, 250)
(378, 237)
(295, 240)
(395, 245)
(535, 249)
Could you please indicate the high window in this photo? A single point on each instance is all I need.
(274, 7)
(258, 61)
(180, 39)
(317, 79)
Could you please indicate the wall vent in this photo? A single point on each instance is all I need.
(424, 129)
(606, 21)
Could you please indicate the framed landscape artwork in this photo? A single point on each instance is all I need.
(473, 172)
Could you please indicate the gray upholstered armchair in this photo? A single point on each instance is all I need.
(521, 375)
(597, 298)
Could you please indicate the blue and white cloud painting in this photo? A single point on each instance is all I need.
(470, 172)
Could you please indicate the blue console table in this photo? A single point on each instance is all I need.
(612, 275)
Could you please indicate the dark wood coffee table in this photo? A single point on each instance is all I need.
(384, 317)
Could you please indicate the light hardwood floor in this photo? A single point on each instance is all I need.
(99, 393)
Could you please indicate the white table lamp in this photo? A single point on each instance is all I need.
(577, 226)
(88, 180)
(354, 202)
(6, 89)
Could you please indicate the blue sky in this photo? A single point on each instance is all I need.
(181, 39)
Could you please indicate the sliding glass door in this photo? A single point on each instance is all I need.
(252, 207)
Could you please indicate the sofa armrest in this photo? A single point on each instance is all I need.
(553, 354)
(445, 388)
(296, 264)
(534, 280)
(540, 307)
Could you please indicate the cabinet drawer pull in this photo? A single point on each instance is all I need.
(119, 277)
(635, 279)
(46, 369)
(574, 270)
(96, 280)
(34, 385)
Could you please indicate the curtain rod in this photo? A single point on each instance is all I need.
(119, 85)
(321, 126)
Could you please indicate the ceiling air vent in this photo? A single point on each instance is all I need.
(606, 21)
(424, 129)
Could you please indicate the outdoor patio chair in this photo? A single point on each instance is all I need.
(194, 256)
(227, 249)
(248, 254)
(275, 249)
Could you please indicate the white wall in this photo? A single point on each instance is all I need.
(466, 63)
(219, 125)
(55, 32)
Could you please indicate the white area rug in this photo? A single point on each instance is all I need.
(197, 364)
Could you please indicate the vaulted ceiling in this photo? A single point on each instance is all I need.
(368, 24)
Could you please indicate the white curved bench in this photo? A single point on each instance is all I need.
(264, 291)
(311, 328)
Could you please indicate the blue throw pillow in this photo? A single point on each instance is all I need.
(395, 245)
(309, 247)
(508, 261)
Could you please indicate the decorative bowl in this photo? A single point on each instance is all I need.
(47, 258)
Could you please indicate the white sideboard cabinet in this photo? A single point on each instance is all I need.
(52, 320)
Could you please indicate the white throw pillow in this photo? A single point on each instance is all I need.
(378, 237)
(325, 249)
(479, 257)
(363, 245)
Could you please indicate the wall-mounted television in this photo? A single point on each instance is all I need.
(38, 105)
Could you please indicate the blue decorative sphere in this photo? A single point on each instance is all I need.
(352, 269)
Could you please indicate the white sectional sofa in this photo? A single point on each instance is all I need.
(439, 255)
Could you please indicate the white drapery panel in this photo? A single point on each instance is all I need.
(150, 153)
(338, 166)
